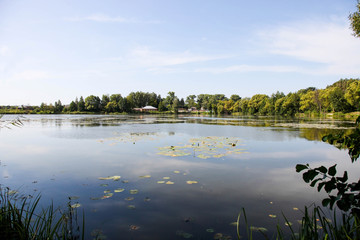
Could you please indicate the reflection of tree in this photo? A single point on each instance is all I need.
(347, 195)
(316, 134)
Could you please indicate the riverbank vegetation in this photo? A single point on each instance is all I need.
(337, 100)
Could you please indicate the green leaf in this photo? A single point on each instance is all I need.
(332, 170)
(310, 175)
(300, 167)
(344, 178)
(326, 201)
(315, 181)
(321, 169)
(320, 186)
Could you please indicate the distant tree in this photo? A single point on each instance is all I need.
(355, 21)
(169, 100)
(81, 105)
(235, 97)
(190, 101)
(161, 107)
(105, 99)
(72, 107)
(93, 103)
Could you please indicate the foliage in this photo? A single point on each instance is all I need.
(355, 21)
(314, 225)
(20, 218)
(347, 197)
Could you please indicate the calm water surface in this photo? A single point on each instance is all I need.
(62, 156)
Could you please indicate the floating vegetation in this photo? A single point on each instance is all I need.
(176, 171)
(145, 176)
(160, 182)
(125, 181)
(119, 190)
(210, 230)
(115, 178)
(12, 192)
(147, 199)
(74, 197)
(272, 215)
(289, 224)
(295, 209)
(134, 227)
(107, 195)
(130, 137)
(104, 185)
(258, 229)
(76, 205)
(184, 234)
(204, 148)
(95, 198)
(129, 199)
(191, 182)
(107, 191)
(169, 182)
(134, 191)
(132, 207)
(166, 178)
(233, 224)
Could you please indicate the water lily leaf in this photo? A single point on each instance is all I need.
(134, 227)
(134, 191)
(184, 234)
(176, 171)
(125, 181)
(12, 192)
(259, 229)
(191, 182)
(107, 191)
(295, 209)
(289, 224)
(132, 207)
(218, 235)
(166, 178)
(160, 182)
(272, 215)
(169, 182)
(74, 197)
(129, 199)
(115, 178)
(119, 190)
(104, 185)
(76, 205)
(145, 176)
(107, 195)
(233, 224)
(147, 199)
(210, 230)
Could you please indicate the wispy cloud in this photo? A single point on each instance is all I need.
(328, 43)
(143, 56)
(4, 51)
(108, 19)
(249, 68)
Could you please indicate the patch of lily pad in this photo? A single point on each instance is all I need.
(204, 148)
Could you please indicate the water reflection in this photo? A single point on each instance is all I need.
(64, 155)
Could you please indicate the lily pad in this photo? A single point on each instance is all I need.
(191, 182)
(134, 191)
(272, 215)
(132, 207)
(259, 229)
(210, 230)
(295, 209)
(176, 171)
(107, 195)
(129, 199)
(119, 190)
(147, 199)
(161, 182)
(115, 178)
(104, 185)
(76, 205)
(169, 182)
(134, 227)
(107, 191)
(74, 197)
(166, 178)
(145, 176)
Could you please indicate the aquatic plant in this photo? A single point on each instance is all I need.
(21, 218)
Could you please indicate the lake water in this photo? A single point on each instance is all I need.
(181, 176)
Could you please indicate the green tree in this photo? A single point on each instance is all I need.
(105, 99)
(72, 107)
(190, 101)
(81, 105)
(257, 102)
(235, 97)
(93, 103)
(355, 21)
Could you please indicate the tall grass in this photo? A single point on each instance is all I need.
(22, 218)
(314, 226)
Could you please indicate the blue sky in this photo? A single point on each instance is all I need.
(63, 49)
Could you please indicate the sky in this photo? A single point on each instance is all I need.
(62, 49)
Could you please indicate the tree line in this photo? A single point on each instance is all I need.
(342, 96)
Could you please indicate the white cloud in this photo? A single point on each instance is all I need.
(328, 43)
(105, 18)
(144, 57)
(4, 51)
(29, 75)
(249, 68)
